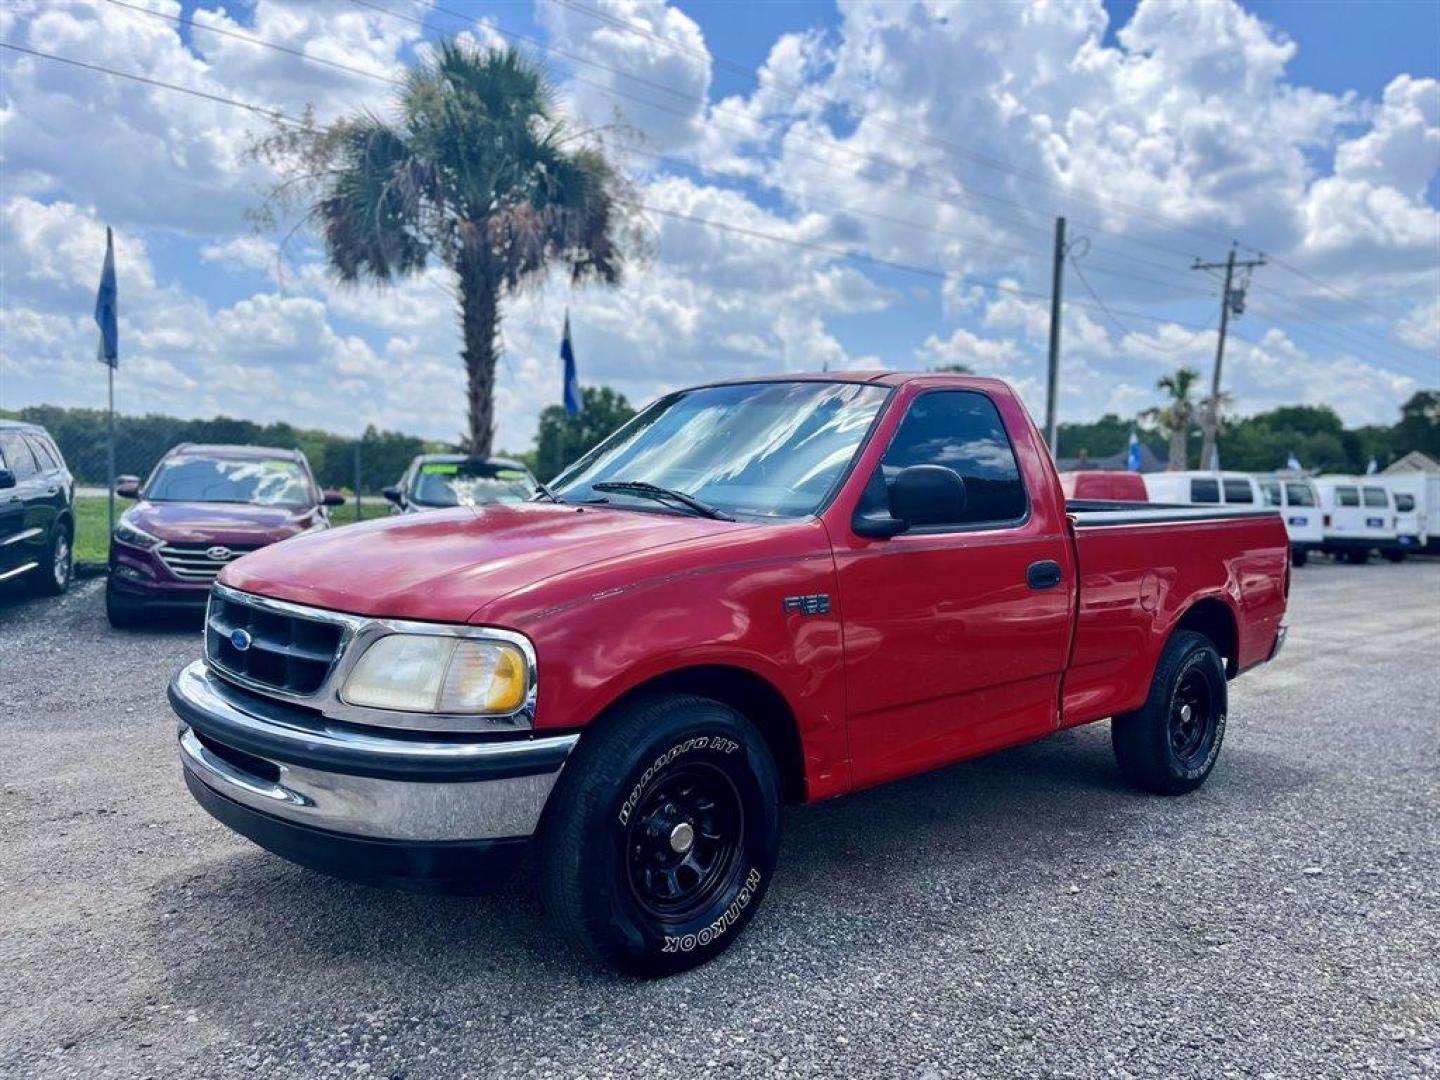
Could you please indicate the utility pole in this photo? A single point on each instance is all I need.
(1232, 299)
(1052, 430)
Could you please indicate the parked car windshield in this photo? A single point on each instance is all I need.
(262, 481)
(772, 449)
(470, 483)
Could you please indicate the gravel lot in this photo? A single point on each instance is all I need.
(1020, 915)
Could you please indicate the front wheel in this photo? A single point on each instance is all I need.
(1299, 556)
(1395, 556)
(661, 835)
(1169, 745)
(121, 615)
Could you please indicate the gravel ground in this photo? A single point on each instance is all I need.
(1020, 915)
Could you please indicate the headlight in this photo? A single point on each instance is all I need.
(425, 673)
(129, 534)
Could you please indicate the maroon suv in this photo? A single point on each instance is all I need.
(201, 508)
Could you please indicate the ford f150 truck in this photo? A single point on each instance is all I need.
(754, 593)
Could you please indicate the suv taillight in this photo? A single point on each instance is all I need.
(1327, 521)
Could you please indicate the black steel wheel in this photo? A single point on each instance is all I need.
(661, 835)
(1170, 744)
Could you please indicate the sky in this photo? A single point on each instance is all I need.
(851, 186)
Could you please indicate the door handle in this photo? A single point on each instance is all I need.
(1044, 574)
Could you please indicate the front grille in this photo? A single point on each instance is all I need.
(285, 652)
(198, 562)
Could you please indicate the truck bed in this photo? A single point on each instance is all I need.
(1141, 566)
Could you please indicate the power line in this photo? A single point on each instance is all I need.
(674, 162)
(260, 110)
(955, 149)
(1128, 331)
(280, 117)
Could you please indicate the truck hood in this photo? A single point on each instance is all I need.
(445, 566)
(240, 524)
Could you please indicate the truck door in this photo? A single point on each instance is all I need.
(955, 634)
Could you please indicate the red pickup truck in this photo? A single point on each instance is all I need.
(754, 593)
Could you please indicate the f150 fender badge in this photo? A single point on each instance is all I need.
(809, 604)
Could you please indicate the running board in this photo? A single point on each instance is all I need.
(8, 574)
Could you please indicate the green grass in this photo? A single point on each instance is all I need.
(92, 530)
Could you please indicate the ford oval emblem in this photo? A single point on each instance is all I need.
(241, 639)
(217, 553)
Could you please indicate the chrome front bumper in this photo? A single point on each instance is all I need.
(288, 763)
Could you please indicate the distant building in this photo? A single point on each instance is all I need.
(1415, 461)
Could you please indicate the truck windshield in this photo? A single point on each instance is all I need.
(470, 483)
(770, 449)
(259, 481)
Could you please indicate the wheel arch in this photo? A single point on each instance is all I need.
(751, 695)
(1213, 618)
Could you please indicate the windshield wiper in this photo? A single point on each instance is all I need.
(655, 491)
(544, 489)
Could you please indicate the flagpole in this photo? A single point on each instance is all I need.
(110, 454)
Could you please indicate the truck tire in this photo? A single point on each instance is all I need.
(1357, 556)
(1299, 556)
(1395, 556)
(1169, 745)
(661, 835)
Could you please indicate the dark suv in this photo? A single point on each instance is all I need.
(201, 508)
(37, 509)
(434, 481)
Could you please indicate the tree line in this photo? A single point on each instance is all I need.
(1314, 434)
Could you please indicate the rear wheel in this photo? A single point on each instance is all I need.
(1299, 556)
(1357, 556)
(1169, 745)
(1395, 556)
(661, 836)
(52, 576)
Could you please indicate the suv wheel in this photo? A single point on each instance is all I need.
(1169, 745)
(661, 835)
(54, 574)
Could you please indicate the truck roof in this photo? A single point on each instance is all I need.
(233, 450)
(882, 378)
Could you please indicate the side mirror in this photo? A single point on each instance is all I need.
(7, 479)
(128, 489)
(927, 495)
(332, 498)
(392, 493)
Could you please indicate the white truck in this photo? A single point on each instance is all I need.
(1294, 496)
(1358, 517)
(1202, 487)
(1417, 508)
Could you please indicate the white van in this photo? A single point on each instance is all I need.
(1201, 487)
(1359, 517)
(1417, 509)
(1295, 498)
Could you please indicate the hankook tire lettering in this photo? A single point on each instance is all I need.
(726, 920)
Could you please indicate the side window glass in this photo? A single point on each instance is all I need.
(1272, 494)
(1238, 491)
(1347, 496)
(962, 430)
(41, 450)
(18, 458)
(1375, 498)
(1299, 495)
(1204, 490)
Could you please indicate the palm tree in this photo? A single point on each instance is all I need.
(1177, 418)
(475, 170)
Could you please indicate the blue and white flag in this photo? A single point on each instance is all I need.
(572, 380)
(1292, 463)
(1132, 461)
(1372, 468)
(107, 309)
(1215, 459)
